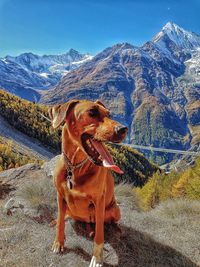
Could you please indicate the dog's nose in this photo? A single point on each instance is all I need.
(120, 129)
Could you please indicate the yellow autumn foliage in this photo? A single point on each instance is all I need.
(161, 186)
(9, 158)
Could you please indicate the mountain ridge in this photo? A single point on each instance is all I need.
(128, 78)
(182, 38)
(28, 74)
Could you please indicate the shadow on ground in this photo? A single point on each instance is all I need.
(133, 249)
(5, 189)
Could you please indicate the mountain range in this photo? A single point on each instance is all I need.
(154, 89)
(27, 75)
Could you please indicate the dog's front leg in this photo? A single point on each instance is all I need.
(58, 245)
(97, 259)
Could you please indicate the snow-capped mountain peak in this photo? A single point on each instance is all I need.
(41, 64)
(180, 37)
(28, 72)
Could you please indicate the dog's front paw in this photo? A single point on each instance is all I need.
(95, 263)
(97, 259)
(58, 246)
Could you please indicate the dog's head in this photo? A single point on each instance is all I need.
(89, 126)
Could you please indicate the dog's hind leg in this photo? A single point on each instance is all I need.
(112, 213)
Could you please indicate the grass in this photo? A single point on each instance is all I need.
(150, 239)
(125, 195)
(166, 236)
(39, 199)
(180, 208)
(39, 192)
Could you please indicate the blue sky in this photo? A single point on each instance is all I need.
(55, 26)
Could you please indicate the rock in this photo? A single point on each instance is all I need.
(9, 204)
(49, 166)
(15, 174)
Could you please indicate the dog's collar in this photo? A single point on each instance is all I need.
(70, 165)
(70, 169)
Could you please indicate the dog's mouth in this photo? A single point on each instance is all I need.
(98, 153)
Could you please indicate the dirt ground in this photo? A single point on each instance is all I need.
(167, 236)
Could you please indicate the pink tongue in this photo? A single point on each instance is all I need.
(107, 159)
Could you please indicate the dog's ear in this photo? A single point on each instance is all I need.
(58, 113)
(100, 103)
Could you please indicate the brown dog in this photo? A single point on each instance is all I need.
(85, 186)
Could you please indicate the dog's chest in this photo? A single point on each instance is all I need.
(78, 202)
(73, 195)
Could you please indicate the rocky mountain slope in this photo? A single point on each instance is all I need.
(163, 237)
(154, 89)
(27, 74)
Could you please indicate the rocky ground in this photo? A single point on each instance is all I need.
(163, 237)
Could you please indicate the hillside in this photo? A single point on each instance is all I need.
(26, 117)
(22, 143)
(163, 237)
(13, 156)
(175, 185)
(154, 89)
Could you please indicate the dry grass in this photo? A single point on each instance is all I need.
(39, 192)
(29, 244)
(39, 199)
(125, 196)
(179, 209)
(163, 237)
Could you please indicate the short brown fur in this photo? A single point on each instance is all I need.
(92, 197)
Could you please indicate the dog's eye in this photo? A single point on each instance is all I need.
(94, 113)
